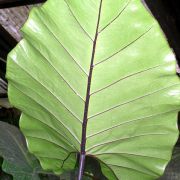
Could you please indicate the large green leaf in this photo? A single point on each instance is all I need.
(102, 61)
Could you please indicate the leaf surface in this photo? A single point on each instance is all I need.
(106, 63)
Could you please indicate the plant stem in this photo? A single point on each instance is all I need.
(85, 119)
(81, 166)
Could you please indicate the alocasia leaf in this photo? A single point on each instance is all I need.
(96, 78)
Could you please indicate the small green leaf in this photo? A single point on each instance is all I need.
(17, 160)
(19, 172)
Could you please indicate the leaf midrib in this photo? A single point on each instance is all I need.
(86, 107)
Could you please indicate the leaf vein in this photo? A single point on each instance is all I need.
(128, 45)
(130, 154)
(48, 112)
(50, 93)
(57, 132)
(63, 46)
(134, 170)
(122, 104)
(55, 158)
(115, 17)
(78, 21)
(123, 139)
(56, 71)
(126, 77)
(51, 142)
(130, 121)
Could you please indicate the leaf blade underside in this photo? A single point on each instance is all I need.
(134, 93)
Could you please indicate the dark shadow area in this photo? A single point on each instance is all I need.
(92, 169)
(7, 43)
(15, 3)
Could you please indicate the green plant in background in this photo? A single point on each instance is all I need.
(96, 80)
(17, 159)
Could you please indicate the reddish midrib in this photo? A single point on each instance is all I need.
(84, 125)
